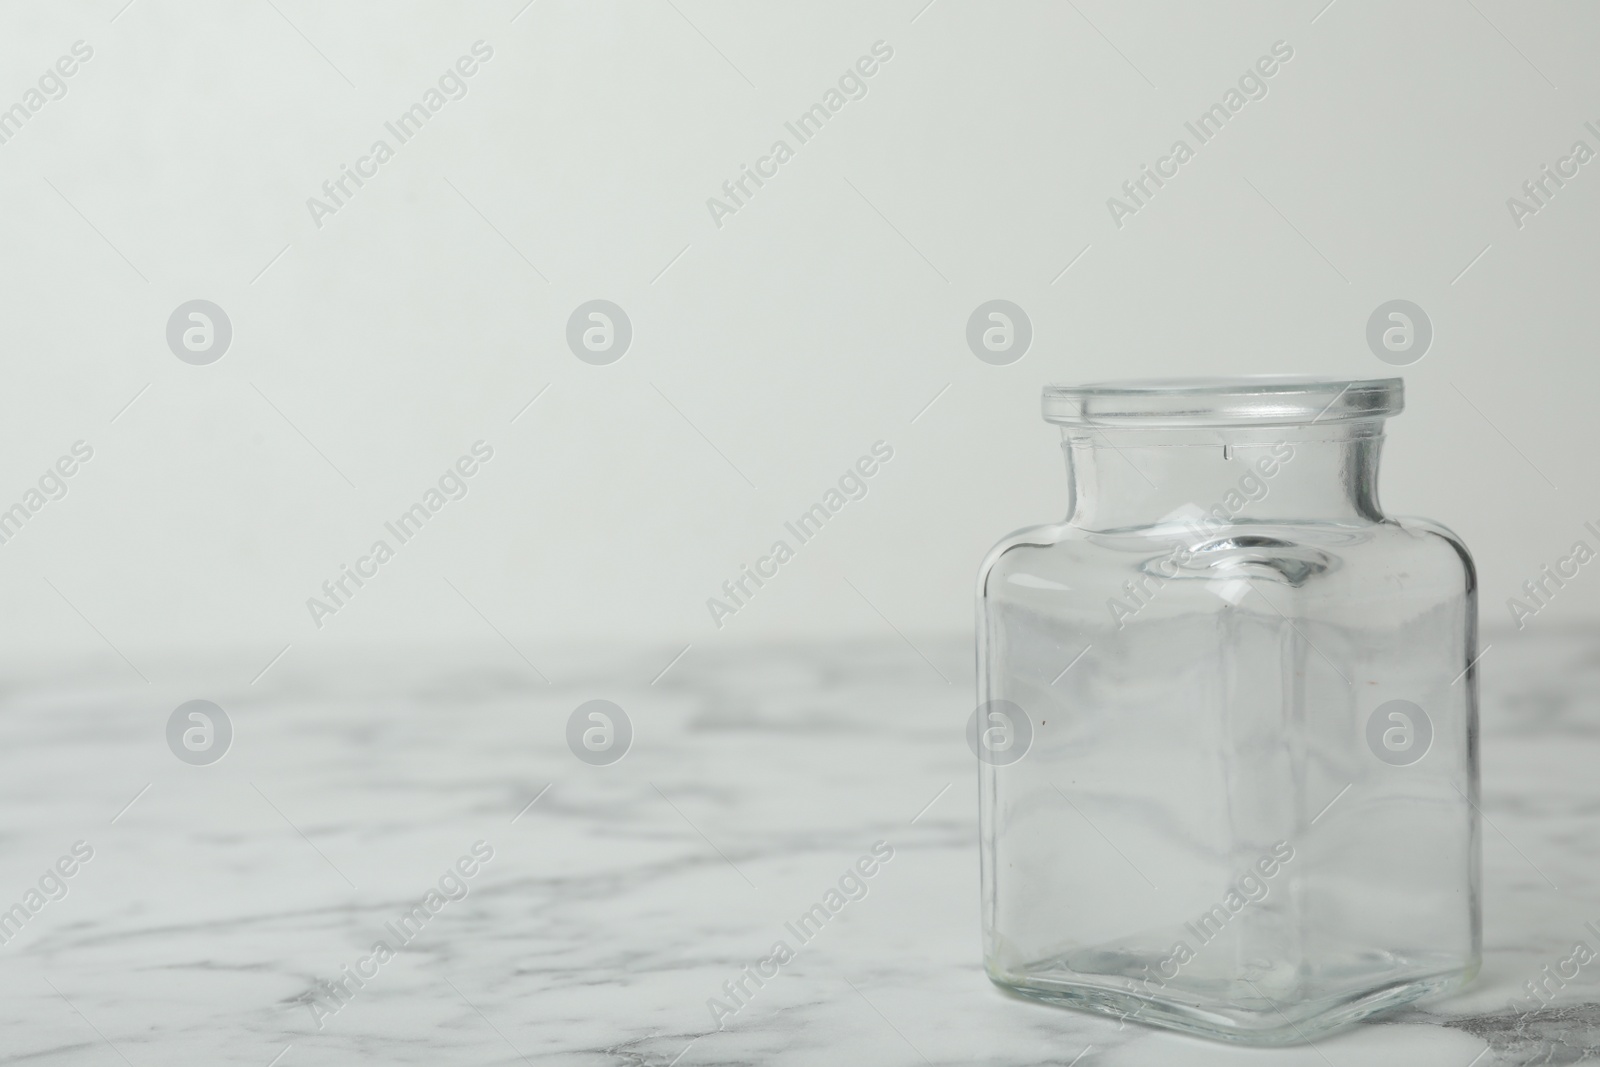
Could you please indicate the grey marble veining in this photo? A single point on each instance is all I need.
(218, 902)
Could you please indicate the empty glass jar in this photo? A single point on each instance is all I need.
(1227, 730)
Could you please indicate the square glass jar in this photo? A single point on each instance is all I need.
(1227, 719)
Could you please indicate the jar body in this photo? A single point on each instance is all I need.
(1247, 802)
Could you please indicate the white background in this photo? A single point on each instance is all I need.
(824, 316)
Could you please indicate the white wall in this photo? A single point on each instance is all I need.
(820, 318)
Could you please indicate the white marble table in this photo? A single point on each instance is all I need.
(616, 905)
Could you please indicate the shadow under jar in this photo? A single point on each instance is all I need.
(1227, 730)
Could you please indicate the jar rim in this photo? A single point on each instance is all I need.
(1246, 400)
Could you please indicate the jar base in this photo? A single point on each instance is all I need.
(1249, 1016)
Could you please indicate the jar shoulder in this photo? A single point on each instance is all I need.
(1442, 540)
(1059, 555)
(1013, 550)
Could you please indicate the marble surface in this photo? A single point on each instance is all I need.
(218, 898)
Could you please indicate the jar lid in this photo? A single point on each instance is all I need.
(1251, 400)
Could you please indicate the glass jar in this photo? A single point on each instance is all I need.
(1227, 730)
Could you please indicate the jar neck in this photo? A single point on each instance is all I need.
(1121, 478)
